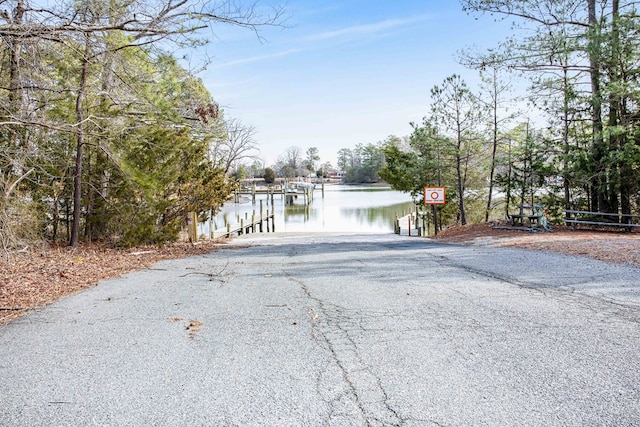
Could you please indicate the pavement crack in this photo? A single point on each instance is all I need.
(362, 395)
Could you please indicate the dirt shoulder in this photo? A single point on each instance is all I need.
(31, 280)
(615, 246)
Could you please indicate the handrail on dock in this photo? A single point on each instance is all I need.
(247, 225)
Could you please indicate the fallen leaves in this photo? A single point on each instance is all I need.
(194, 327)
(34, 279)
(610, 246)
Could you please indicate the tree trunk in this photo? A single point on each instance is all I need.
(15, 52)
(494, 147)
(15, 95)
(599, 180)
(616, 141)
(77, 180)
(507, 196)
(565, 144)
(463, 216)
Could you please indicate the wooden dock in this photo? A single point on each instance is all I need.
(254, 191)
(408, 225)
(290, 192)
(258, 221)
(299, 191)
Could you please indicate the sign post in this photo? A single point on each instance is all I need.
(435, 196)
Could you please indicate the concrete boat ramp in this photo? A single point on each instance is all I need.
(335, 330)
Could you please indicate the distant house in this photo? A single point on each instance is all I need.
(334, 174)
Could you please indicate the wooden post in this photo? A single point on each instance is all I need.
(435, 220)
(192, 226)
(273, 222)
(253, 194)
(409, 225)
(228, 230)
(261, 216)
(253, 222)
(211, 224)
(241, 226)
(425, 225)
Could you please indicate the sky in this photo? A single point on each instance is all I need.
(341, 72)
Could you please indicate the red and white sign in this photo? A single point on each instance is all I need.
(435, 195)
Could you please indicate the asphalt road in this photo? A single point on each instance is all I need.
(328, 330)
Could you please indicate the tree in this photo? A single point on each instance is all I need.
(591, 45)
(493, 91)
(421, 163)
(363, 163)
(403, 170)
(269, 175)
(238, 145)
(345, 158)
(455, 112)
(291, 162)
(312, 159)
(95, 36)
(524, 166)
(166, 174)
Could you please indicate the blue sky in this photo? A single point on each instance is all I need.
(342, 72)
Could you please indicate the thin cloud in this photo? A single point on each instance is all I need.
(257, 58)
(366, 29)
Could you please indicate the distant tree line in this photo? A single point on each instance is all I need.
(363, 163)
(293, 163)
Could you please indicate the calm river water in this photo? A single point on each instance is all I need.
(344, 208)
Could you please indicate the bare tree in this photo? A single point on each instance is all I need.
(292, 161)
(239, 144)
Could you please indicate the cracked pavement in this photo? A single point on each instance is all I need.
(335, 330)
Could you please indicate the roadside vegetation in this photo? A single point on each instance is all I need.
(572, 141)
(106, 137)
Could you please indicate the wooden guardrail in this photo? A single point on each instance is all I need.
(575, 218)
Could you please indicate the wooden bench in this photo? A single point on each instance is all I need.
(591, 218)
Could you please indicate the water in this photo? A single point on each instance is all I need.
(344, 208)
